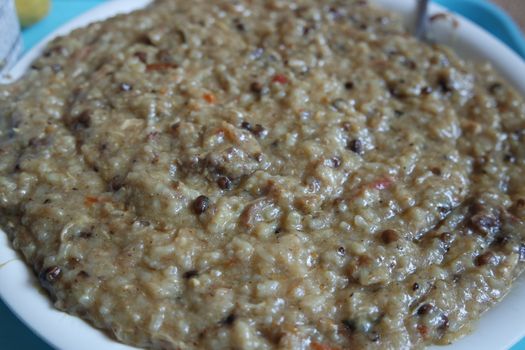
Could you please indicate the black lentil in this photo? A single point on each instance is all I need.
(356, 146)
(426, 90)
(50, 275)
(256, 87)
(444, 322)
(200, 204)
(484, 259)
(436, 171)
(224, 182)
(424, 309)
(444, 84)
(389, 236)
(85, 234)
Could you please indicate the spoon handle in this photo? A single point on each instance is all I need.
(421, 19)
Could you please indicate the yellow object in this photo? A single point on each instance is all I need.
(31, 11)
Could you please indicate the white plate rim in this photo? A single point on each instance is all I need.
(63, 331)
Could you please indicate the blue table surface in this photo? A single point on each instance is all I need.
(13, 333)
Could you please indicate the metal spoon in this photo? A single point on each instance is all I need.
(421, 19)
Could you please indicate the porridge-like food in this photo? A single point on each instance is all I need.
(264, 175)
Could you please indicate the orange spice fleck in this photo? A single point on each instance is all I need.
(280, 78)
(209, 97)
(89, 200)
(159, 66)
(423, 330)
(319, 346)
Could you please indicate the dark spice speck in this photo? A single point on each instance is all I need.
(239, 26)
(82, 121)
(494, 87)
(246, 125)
(350, 325)
(83, 274)
(85, 234)
(501, 240)
(349, 85)
(436, 171)
(229, 320)
(259, 131)
(335, 162)
(190, 274)
(410, 64)
(142, 56)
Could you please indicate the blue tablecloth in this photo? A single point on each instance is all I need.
(13, 333)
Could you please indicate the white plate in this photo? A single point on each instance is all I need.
(499, 329)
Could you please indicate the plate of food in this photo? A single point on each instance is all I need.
(264, 175)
